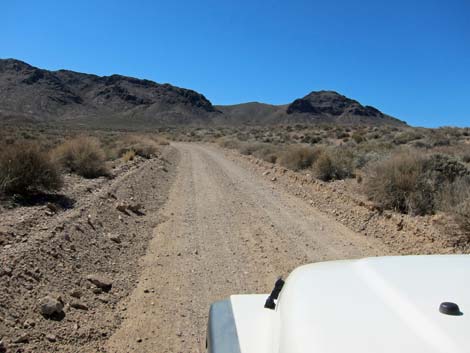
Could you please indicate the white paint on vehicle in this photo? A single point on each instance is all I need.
(384, 304)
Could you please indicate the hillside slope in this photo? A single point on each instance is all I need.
(316, 107)
(35, 94)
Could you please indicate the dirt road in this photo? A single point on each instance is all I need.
(228, 230)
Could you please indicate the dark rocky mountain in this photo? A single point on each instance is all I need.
(35, 94)
(28, 93)
(316, 107)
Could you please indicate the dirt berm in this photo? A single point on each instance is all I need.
(79, 251)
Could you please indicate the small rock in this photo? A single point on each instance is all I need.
(104, 299)
(114, 238)
(53, 208)
(3, 347)
(139, 340)
(101, 282)
(78, 305)
(274, 179)
(51, 306)
(136, 207)
(400, 225)
(7, 271)
(51, 338)
(29, 323)
(266, 173)
(23, 338)
(76, 294)
(121, 207)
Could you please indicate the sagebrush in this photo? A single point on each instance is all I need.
(82, 155)
(25, 169)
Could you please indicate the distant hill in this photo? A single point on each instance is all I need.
(28, 93)
(35, 94)
(252, 113)
(316, 107)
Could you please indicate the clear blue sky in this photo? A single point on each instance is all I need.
(411, 59)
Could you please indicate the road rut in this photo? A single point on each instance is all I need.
(228, 230)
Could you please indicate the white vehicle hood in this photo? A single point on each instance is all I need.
(387, 304)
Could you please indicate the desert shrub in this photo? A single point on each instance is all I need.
(83, 156)
(357, 137)
(361, 158)
(24, 169)
(454, 198)
(438, 138)
(393, 182)
(466, 158)
(410, 182)
(334, 164)
(248, 148)
(230, 143)
(298, 157)
(128, 156)
(420, 144)
(141, 145)
(462, 213)
(267, 152)
(341, 134)
(406, 137)
(162, 141)
(311, 139)
(439, 170)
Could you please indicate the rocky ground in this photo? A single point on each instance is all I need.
(67, 260)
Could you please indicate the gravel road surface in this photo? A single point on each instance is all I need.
(228, 230)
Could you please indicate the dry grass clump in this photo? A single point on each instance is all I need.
(334, 164)
(24, 170)
(298, 157)
(358, 137)
(142, 145)
(83, 156)
(412, 183)
(462, 213)
(160, 140)
(128, 156)
(265, 151)
(454, 198)
(393, 183)
(230, 143)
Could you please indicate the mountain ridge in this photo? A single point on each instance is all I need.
(32, 94)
